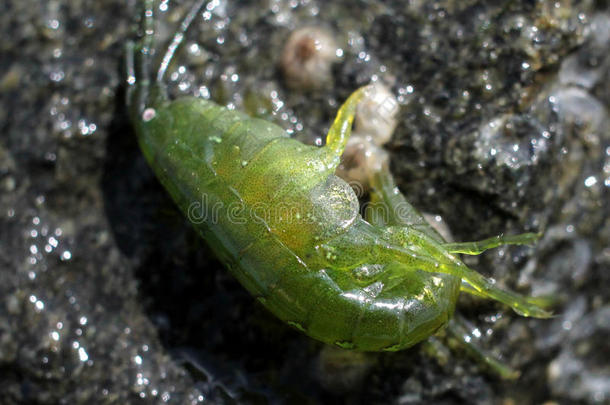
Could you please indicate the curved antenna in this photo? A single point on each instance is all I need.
(144, 56)
(148, 41)
(130, 71)
(178, 38)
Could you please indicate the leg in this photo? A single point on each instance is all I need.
(544, 301)
(486, 288)
(390, 207)
(416, 250)
(340, 130)
(418, 245)
(460, 337)
(476, 248)
(467, 288)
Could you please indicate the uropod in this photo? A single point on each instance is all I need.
(290, 230)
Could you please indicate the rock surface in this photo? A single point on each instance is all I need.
(107, 295)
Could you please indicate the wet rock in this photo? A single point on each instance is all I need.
(107, 296)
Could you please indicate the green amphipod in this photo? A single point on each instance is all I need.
(290, 231)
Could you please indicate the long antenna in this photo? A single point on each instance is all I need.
(178, 38)
(149, 37)
(146, 53)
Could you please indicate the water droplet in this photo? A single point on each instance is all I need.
(590, 181)
(82, 354)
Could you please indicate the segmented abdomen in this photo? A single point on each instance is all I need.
(211, 159)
